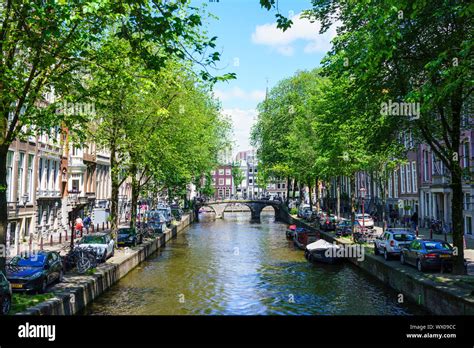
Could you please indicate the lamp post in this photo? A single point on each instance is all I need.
(362, 194)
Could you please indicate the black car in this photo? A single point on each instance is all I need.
(129, 237)
(35, 272)
(5, 295)
(428, 254)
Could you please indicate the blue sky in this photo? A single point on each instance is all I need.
(255, 50)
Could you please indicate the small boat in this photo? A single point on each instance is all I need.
(303, 237)
(290, 232)
(322, 251)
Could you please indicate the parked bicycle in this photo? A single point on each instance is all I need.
(81, 259)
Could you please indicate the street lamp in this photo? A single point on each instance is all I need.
(362, 194)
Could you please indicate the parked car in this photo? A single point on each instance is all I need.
(327, 222)
(102, 243)
(302, 208)
(391, 242)
(344, 227)
(428, 254)
(5, 295)
(35, 272)
(365, 220)
(166, 212)
(309, 215)
(129, 237)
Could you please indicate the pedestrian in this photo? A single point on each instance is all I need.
(87, 222)
(79, 226)
(414, 220)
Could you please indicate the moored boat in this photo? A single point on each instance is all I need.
(303, 237)
(290, 231)
(322, 251)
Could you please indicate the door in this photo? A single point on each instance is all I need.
(413, 252)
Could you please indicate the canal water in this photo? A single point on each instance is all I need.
(235, 267)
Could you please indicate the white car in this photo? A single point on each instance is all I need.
(391, 242)
(365, 220)
(102, 243)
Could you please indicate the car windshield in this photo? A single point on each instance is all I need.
(365, 216)
(437, 246)
(30, 261)
(401, 237)
(93, 240)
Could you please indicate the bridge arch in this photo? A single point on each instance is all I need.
(256, 207)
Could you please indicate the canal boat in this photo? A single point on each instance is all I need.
(303, 237)
(322, 251)
(290, 231)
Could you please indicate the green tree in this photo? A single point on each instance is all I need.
(237, 175)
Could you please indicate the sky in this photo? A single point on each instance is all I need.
(260, 54)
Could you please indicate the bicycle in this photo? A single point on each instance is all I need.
(82, 259)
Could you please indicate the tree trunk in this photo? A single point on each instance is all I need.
(294, 188)
(310, 195)
(316, 188)
(456, 211)
(338, 196)
(288, 184)
(3, 205)
(115, 180)
(353, 201)
(135, 194)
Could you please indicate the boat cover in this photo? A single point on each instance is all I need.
(321, 244)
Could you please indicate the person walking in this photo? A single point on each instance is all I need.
(79, 226)
(414, 220)
(87, 222)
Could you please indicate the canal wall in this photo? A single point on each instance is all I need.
(435, 297)
(77, 291)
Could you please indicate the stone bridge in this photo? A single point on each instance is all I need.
(256, 207)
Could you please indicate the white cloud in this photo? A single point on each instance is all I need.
(255, 95)
(301, 30)
(242, 120)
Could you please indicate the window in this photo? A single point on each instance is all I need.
(227, 172)
(213, 172)
(221, 171)
(228, 181)
(40, 215)
(29, 176)
(21, 163)
(9, 176)
(221, 181)
(408, 174)
(414, 177)
(283, 186)
(250, 170)
(48, 168)
(390, 186)
(467, 201)
(468, 225)
(425, 165)
(402, 178)
(395, 184)
(55, 175)
(466, 151)
(250, 181)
